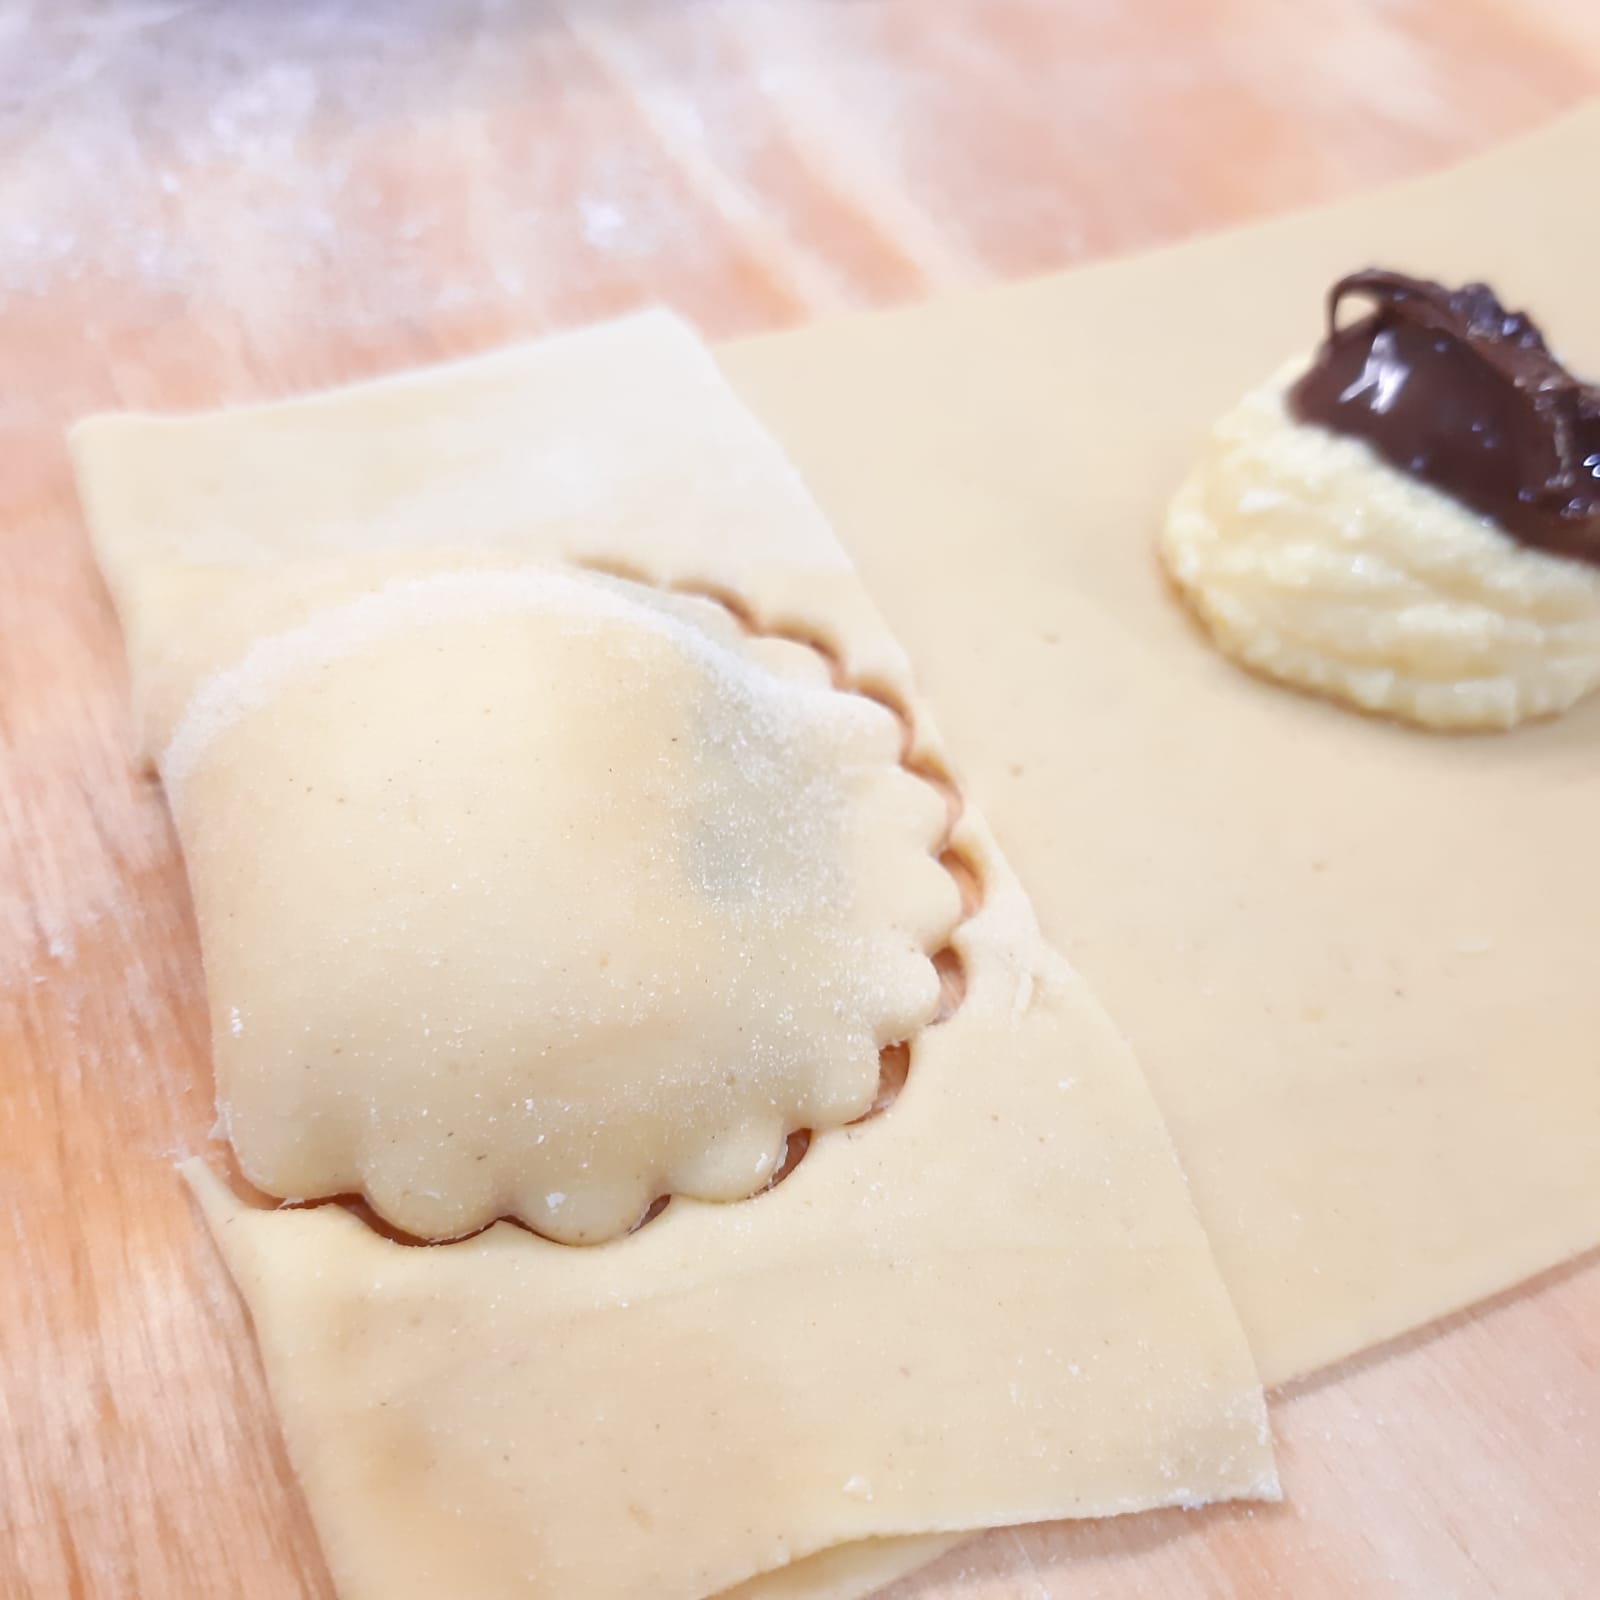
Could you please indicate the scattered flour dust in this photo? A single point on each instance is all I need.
(362, 167)
(442, 597)
(254, 152)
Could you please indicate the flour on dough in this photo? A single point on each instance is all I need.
(992, 1303)
(528, 892)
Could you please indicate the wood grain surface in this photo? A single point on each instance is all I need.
(201, 203)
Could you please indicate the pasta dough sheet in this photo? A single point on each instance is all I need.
(993, 1303)
(1352, 958)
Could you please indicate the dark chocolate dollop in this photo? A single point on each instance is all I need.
(1450, 387)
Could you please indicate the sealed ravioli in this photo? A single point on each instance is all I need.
(527, 892)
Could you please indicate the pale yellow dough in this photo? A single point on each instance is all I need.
(992, 1303)
(529, 893)
(1353, 960)
(523, 891)
(1313, 561)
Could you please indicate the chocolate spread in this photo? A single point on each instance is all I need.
(1450, 387)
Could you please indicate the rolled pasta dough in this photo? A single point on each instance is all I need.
(992, 1303)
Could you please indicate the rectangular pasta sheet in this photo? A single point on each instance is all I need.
(1353, 959)
(993, 1303)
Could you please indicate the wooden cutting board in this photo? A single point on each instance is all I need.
(199, 208)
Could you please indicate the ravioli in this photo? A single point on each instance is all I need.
(535, 893)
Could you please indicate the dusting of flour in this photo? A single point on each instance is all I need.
(444, 597)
